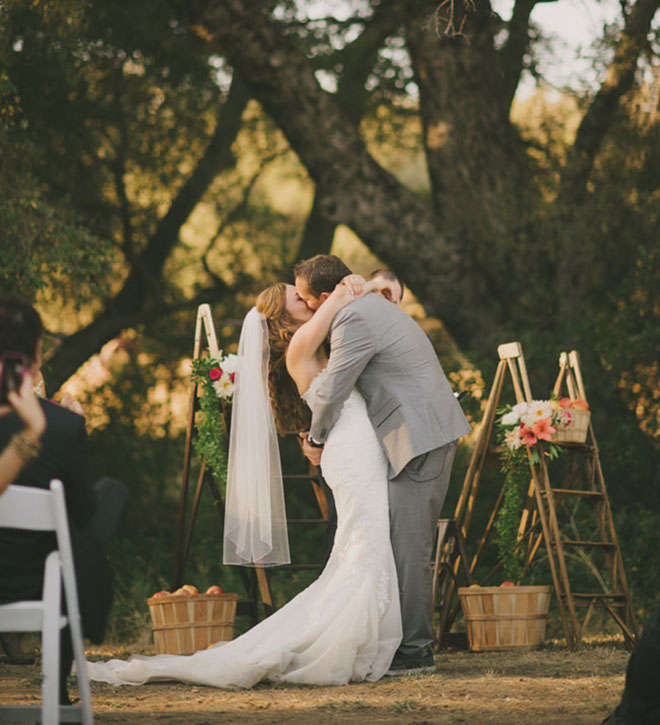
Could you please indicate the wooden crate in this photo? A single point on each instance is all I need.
(184, 624)
(573, 429)
(501, 618)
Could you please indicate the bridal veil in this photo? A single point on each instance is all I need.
(255, 532)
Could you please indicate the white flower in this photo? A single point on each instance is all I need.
(223, 386)
(229, 363)
(511, 418)
(536, 410)
(519, 408)
(513, 439)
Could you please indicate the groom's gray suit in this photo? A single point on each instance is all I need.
(377, 348)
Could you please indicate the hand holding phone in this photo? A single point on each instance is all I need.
(13, 366)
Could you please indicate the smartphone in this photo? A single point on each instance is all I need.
(12, 371)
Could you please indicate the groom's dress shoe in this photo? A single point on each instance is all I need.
(403, 664)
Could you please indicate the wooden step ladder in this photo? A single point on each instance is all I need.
(449, 551)
(550, 515)
(581, 528)
(255, 580)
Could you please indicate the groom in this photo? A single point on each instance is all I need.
(377, 348)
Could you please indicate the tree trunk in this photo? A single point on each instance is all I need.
(478, 169)
(357, 191)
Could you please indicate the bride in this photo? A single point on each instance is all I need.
(346, 626)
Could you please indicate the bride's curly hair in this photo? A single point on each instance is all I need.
(291, 414)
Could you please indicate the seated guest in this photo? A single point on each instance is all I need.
(23, 446)
(94, 511)
(21, 449)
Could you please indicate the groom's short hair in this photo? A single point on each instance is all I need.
(323, 272)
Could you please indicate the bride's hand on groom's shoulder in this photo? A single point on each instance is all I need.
(353, 283)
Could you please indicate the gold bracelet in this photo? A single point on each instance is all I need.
(26, 447)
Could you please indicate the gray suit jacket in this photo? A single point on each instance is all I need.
(379, 349)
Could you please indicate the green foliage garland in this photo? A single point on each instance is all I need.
(516, 470)
(211, 440)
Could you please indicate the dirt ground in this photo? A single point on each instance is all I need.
(550, 685)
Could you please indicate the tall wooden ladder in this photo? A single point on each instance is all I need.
(453, 558)
(580, 528)
(551, 516)
(255, 580)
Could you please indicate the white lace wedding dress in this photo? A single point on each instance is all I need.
(346, 626)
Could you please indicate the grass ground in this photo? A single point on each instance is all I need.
(549, 685)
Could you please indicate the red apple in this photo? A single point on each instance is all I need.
(162, 593)
(507, 584)
(190, 588)
(181, 592)
(214, 589)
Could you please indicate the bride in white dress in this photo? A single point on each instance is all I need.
(346, 626)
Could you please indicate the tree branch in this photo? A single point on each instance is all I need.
(142, 284)
(513, 51)
(575, 257)
(358, 59)
(600, 115)
(357, 191)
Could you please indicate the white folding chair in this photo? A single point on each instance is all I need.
(22, 507)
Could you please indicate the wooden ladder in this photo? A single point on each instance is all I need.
(581, 528)
(449, 572)
(547, 515)
(255, 580)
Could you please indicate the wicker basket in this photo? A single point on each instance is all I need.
(184, 624)
(574, 428)
(501, 618)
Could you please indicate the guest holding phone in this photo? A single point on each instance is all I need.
(16, 390)
(23, 446)
(60, 452)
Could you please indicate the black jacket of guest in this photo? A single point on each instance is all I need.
(23, 553)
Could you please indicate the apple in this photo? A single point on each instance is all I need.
(181, 592)
(507, 584)
(162, 593)
(190, 588)
(580, 404)
(214, 589)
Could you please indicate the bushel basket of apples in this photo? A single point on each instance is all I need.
(188, 620)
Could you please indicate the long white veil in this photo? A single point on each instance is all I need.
(255, 531)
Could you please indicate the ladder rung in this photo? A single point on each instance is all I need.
(306, 521)
(599, 595)
(573, 492)
(299, 476)
(571, 542)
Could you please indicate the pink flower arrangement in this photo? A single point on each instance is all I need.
(527, 423)
(543, 429)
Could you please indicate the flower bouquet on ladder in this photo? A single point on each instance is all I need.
(215, 377)
(521, 428)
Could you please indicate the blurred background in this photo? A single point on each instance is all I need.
(157, 155)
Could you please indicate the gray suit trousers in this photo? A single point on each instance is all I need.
(416, 497)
